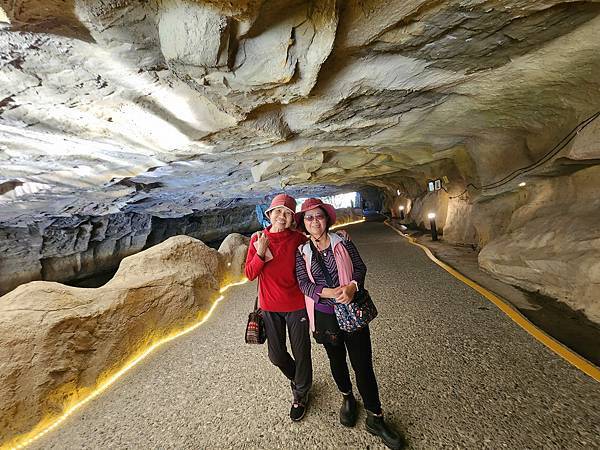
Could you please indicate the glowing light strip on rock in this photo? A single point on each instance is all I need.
(347, 223)
(45, 426)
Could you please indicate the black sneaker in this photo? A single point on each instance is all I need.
(298, 409)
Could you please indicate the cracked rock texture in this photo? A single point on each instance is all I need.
(70, 248)
(168, 108)
(57, 342)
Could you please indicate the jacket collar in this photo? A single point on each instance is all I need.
(334, 240)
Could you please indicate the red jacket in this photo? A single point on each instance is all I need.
(278, 289)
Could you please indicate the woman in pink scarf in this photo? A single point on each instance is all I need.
(346, 274)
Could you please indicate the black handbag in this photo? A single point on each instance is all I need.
(327, 330)
(255, 327)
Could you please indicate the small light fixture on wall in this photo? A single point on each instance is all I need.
(398, 192)
(434, 185)
(401, 212)
(522, 184)
(434, 235)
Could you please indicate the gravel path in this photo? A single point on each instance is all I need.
(454, 372)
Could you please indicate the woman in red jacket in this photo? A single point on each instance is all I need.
(271, 259)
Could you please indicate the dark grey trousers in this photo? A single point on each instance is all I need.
(299, 368)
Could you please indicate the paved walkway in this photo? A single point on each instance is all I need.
(454, 372)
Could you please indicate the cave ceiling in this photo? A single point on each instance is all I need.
(168, 107)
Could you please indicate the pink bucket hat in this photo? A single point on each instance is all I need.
(284, 200)
(312, 203)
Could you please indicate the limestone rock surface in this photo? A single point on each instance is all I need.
(68, 249)
(57, 342)
(552, 242)
(542, 236)
(169, 107)
(347, 215)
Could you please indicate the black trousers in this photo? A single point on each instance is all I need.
(358, 346)
(299, 368)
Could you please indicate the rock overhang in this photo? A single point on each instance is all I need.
(177, 106)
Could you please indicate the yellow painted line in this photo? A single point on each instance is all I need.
(49, 424)
(561, 350)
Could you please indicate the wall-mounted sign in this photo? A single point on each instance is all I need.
(431, 186)
(438, 185)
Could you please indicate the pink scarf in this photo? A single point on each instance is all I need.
(344, 266)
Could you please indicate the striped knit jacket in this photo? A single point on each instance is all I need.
(345, 266)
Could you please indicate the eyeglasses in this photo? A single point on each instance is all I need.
(316, 216)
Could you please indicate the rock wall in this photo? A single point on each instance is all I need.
(233, 251)
(69, 248)
(65, 248)
(58, 342)
(538, 230)
(346, 215)
(372, 199)
(551, 241)
(208, 225)
(542, 237)
(104, 107)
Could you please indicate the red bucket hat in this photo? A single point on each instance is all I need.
(312, 203)
(284, 200)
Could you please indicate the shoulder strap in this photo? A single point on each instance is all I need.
(256, 299)
(321, 265)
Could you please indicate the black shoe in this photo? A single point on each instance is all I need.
(377, 426)
(298, 409)
(348, 411)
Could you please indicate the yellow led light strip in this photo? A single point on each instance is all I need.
(48, 425)
(347, 223)
(561, 350)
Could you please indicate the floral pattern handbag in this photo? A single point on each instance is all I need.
(357, 314)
